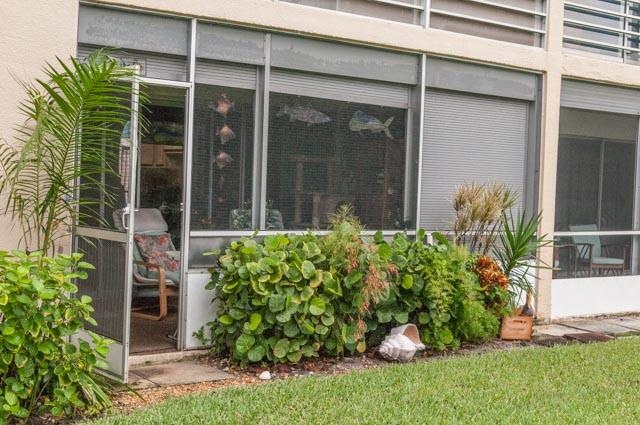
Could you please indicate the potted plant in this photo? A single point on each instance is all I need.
(516, 255)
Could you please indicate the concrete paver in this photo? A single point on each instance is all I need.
(137, 382)
(628, 322)
(178, 373)
(597, 325)
(554, 330)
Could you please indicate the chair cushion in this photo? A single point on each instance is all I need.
(149, 219)
(153, 248)
(607, 261)
(586, 239)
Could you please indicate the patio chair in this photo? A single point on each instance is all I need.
(565, 261)
(156, 268)
(598, 257)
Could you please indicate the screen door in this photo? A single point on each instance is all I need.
(104, 235)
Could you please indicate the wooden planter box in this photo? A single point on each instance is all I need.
(516, 328)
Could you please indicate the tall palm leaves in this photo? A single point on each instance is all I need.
(68, 142)
(519, 244)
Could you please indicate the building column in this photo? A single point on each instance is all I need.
(552, 80)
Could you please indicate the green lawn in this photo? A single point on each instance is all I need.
(578, 384)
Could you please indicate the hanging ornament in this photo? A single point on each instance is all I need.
(225, 134)
(223, 105)
(223, 159)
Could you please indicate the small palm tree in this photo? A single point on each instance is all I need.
(66, 145)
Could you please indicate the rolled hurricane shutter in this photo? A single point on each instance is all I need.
(340, 88)
(225, 74)
(599, 97)
(152, 65)
(469, 138)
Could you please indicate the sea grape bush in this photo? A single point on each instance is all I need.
(295, 296)
(279, 302)
(40, 371)
(288, 297)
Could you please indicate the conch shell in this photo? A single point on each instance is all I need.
(401, 344)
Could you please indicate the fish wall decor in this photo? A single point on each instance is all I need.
(306, 115)
(223, 159)
(361, 121)
(223, 105)
(225, 133)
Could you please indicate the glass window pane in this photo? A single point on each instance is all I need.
(221, 175)
(324, 153)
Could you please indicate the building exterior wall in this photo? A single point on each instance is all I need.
(547, 61)
(551, 61)
(31, 32)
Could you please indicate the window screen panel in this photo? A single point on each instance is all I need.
(222, 158)
(469, 138)
(595, 191)
(324, 153)
(596, 170)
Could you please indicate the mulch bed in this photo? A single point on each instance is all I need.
(126, 401)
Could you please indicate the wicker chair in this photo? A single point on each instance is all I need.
(150, 280)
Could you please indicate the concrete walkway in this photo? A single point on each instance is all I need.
(586, 330)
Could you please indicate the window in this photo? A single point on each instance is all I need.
(595, 193)
(222, 158)
(604, 27)
(515, 21)
(585, 28)
(407, 11)
(325, 153)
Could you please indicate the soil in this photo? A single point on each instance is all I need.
(126, 401)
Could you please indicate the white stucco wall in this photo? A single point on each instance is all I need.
(31, 32)
(593, 296)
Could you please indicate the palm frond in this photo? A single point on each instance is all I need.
(70, 140)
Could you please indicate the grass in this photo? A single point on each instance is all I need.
(577, 384)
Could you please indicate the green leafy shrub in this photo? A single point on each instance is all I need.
(275, 300)
(40, 372)
(290, 296)
(436, 289)
(364, 268)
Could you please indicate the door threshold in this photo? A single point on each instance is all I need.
(167, 357)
